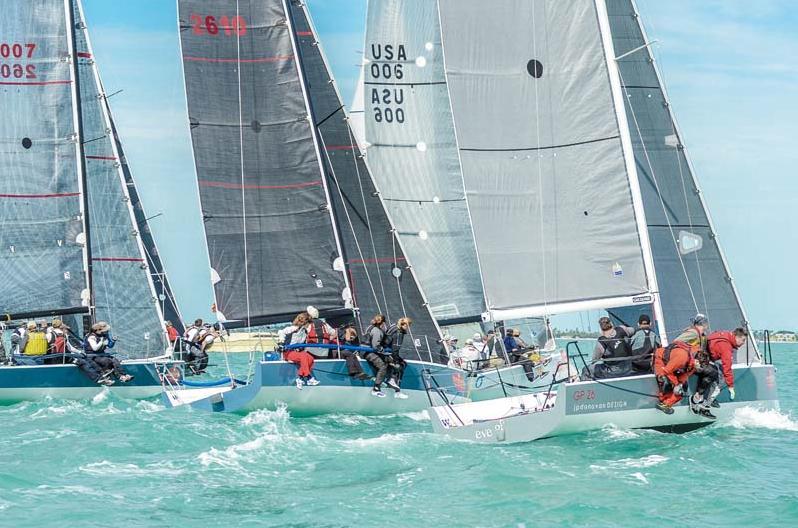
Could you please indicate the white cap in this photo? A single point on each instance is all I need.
(477, 337)
(469, 341)
(312, 311)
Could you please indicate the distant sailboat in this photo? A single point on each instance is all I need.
(292, 215)
(65, 177)
(569, 120)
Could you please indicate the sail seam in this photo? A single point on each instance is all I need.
(523, 149)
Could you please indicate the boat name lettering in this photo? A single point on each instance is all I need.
(207, 24)
(16, 50)
(590, 407)
(642, 299)
(582, 395)
(488, 432)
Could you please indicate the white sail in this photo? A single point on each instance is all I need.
(413, 152)
(549, 187)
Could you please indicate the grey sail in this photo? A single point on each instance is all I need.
(372, 251)
(122, 288)
(292, 216)
(42, 253)
(691, 271)
(271, 244)
(542, 156)
(413, 152)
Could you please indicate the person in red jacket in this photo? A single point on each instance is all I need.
(672, 367)
(719, 356)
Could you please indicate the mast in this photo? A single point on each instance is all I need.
(71, 29)
(317, 141)
(631, 168)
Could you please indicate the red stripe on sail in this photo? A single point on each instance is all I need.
(224, 185)
(340, 147)
(84, 55)
(109, 158)
(118, 259)
(304, 33)
(59, 195)
(34, 83)
(382, 260)
(262, 59)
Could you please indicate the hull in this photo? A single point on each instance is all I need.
(628, 403)
(34, 383)
(273, 386)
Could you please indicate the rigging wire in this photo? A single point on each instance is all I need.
(241, 156)
(540, 168)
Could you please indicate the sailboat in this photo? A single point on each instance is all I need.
(76, 241)
(568, 120)
(292, 215)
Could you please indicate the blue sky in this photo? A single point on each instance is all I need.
(731, 72)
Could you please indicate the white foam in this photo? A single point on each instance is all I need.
(640, 477)
(417, 416)
(749, 417)
(381, 440)
(101, 396)
(625, 463)
(106, 467)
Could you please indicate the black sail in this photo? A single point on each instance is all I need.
(270, 240)
(691, 271)
(372, 251)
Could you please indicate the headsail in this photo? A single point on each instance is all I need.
(42, 236)
(274, 152)
(686, 252)
(545, 173)
(413, 152)
(122, 288)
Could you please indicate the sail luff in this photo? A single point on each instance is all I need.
(81, 154)
(692, 171)
(487, 315)
(113, 143)
(315, 134)
(631, 169)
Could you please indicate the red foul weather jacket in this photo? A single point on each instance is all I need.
(722, 345)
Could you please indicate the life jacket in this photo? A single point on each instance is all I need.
(58, 345)
(36, 344)
(616, 347)
(393, 338)
(666, 356)
(87, 346)
(316, 333)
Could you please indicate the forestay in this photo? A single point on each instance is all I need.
(542, 157)
(42, 250)
(122, 289)
(689, 264)
(413, 152)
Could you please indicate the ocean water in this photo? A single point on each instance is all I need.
(111, 462)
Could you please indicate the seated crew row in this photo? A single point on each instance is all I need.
(622, 351)
(43, 344)
(382, 346)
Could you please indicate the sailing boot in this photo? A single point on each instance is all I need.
(667, 409)
(706, 414)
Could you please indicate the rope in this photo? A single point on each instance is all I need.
(241, 157)
(401, 298)
(351, 225)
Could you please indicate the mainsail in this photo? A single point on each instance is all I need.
(292, 216)
(550, 188)
(686, 252)
(413, 152)
(42, 236)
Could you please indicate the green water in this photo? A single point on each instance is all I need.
(111, 462)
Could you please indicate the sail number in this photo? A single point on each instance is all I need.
(14, 51)
(208, 24)
(387, 64)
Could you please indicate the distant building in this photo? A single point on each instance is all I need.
(784, 337)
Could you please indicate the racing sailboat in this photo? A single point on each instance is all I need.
(291, 212)
(76, 241)
(571, 113)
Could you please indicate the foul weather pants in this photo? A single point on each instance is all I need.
(380, 368)
(708, 382)
(303, 359)
(94, 365)
(669, 375)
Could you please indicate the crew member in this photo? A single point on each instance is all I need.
(394, 337)
(297, 334)
(644, 342)
(721, 347)
(673, 366)
(611, 347)
(99, 364)
(320, 332)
